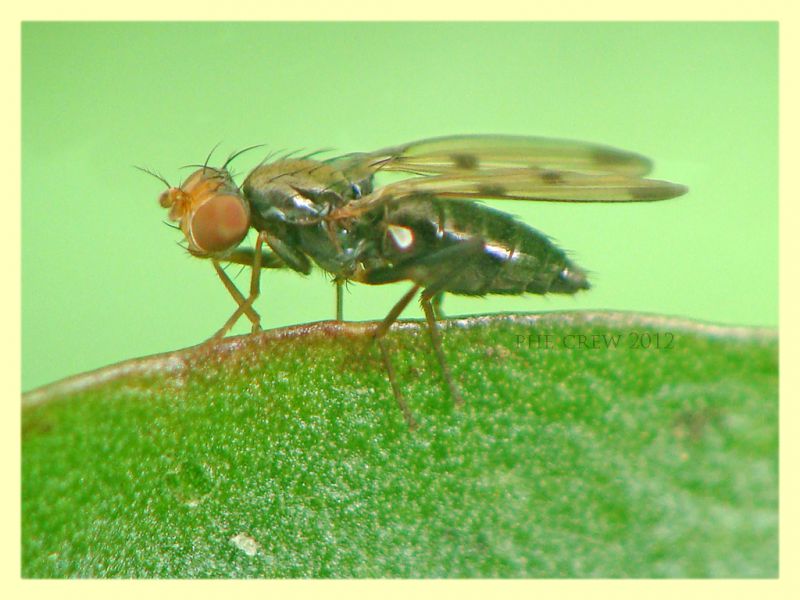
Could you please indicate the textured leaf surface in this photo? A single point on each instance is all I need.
(284, 455)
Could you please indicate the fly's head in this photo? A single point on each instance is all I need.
(211, 211)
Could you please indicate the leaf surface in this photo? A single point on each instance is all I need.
(283, 454)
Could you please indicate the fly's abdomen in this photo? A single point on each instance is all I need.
(474, 250)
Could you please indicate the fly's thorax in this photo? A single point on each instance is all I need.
(300, 173)
(211, 211)
(297, 191)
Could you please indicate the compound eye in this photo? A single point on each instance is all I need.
(220, 223)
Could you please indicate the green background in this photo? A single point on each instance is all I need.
(103, 279)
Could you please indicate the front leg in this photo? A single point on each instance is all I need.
(245, 304)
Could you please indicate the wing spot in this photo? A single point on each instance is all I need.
(552, 177)
(606, 156)
(465, 161)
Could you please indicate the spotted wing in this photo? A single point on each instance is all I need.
(507, 168)
(466, 154)
(533, 184)
(538, 184)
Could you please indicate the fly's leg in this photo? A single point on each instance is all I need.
(398, 396)
(440, 268)
(245, 304)
(378, 335)
(247, 256)
(235, 293)
(339, 300)
(444, 265)
(436, 303)
(436, 342)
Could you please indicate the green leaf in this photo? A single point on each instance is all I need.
(284, 454)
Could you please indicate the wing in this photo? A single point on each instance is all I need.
(517, 184)
(536, 184)
(505, 168)
(473, 153)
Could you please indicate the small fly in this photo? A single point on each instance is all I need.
(427, 228)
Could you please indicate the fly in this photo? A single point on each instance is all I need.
(427, 229)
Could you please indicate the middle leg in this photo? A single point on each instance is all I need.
(339, 300)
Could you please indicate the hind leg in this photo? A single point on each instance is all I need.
(440, 267)
(378, 335)
(436, 304)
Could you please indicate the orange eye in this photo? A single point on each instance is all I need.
(219, 224)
